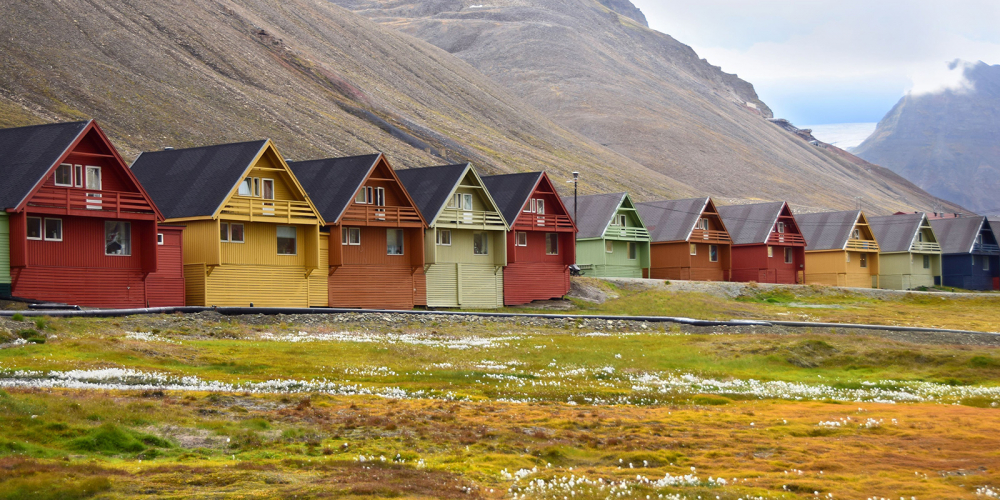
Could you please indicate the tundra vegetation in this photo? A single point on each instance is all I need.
(378, 405)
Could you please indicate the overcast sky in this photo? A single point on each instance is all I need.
(841, 61)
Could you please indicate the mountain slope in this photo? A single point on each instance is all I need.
(947, 143)
(594, 67)
(316, 78)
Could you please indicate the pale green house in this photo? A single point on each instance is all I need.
(465, 245)
(4, 255)
(909, 252)
(612, 241)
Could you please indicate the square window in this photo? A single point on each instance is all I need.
(522, 239)
(394, 241)
(480, 243)
(444, 237)
(53, 229)
(286, 240)
(770, 252)
(224, 231)
(633, 250)
(34, 228)
(927, 261)
(713, 253)
(360, 198)
(551, 243)
(236, 233)
(159, 238)
(455, 201)
(354, 236)
(246, 187)
(64, 175)
(609, 246)
(788, 255)
(117, 238)
(694, 249)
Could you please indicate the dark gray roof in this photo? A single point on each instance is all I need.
(511, 191)
(895, 233)
(752, 223)
(957, 235)
(28, 153)
(827, 230)
(429, 187)
(194, 182)
(332, 183)
(994, 225)
(671, 220)
(595, 212)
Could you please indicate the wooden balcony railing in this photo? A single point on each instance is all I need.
(777, 238)
(85, 201)
(381, 216)
(869, 245)
(627, 233)
(985, 248)
(251, 209)
(925, 246)
(710, 235)
(546, 221)
(469, 218)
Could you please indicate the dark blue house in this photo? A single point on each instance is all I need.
(970, 257)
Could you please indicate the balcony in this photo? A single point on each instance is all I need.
(863, 245)
(987, 248)
(256, 209)
(925, 246)
(544, 222)
(710, 236)
(369, 215)
(786, 239)
(627, 233)
(88, 203)
(470, 219)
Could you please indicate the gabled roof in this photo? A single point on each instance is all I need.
(511, 191)
(994, 223)
(195, 182)
(827, 230)
(748, 224)
(430, 188)
(333, 182)
(29, 153)
(594, 212)
(672, 220)
(957, 235)
(895, 233)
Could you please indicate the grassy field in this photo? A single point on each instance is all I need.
(369, 407)
(814, 303)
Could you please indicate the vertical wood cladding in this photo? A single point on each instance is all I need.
(674, 261)
(471, 286)
(165, 287)
(524, 282)
(4, 255)
(751, 263)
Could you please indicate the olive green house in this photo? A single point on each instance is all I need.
(465, 244)
(909, 253)
(612, 241)
(4, 255)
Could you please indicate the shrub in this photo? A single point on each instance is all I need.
(17, 317)
(31, 336)
(109, 439)
(710, 399)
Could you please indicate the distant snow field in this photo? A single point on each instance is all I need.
(842, 135)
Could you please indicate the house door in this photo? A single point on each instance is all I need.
(94, 184)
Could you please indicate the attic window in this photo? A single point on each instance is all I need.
(781, 227)
(619, 220)
(920, 236)
(704, 224)
(246, 187)
(64, 175)
(256, 187)
(539, 206)
(530, 206)
(979, 239)
(856, 234)
(78, 173)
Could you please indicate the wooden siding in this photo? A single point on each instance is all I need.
(81, 286)
(673, 261)
(4, 255)
(529, 281)
(82, 245)
(592, 256)
(261, 247)
(201, 243)
(263, 286)
(319, 283)
(961, 271)
(905, 271)
(195, 283)
(470, 286)
(751, 263)
(373, 286)
(165, 287)
(831, 268)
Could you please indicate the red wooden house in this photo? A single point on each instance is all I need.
(376, 234)
(767, 244)
(540, 243)
(82, 229)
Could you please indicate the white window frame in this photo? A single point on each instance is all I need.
(540, 206)
(351, 236)
(609, 246)
(256, 187)
(856, 234)
(704, 223)
(45, 229)
(55, 175)
(632, 251)
(486, 242)
(467, 202)
(263, 182)
(41, 228)
(979, 239)
(129, 226)
(770, 251)
(402, 237)
(247, 184)
(231, 226)
(361, 196)
(789, 255)
(94, 199)
(710, 247)
(224, 232)
(78, 176)
(296, 239)
(530, 206)
(693, 249)
(521, 238)
(555, 237)
(159, 238)
(440, 237)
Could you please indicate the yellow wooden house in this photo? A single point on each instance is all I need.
(841, 249)
(251, 234)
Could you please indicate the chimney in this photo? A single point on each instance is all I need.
(288, 160)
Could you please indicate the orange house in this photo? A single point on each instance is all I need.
(688, 240)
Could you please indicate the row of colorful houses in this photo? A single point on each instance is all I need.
(238, 225)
